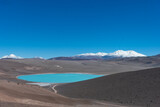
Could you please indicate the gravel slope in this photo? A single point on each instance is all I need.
(131, 88)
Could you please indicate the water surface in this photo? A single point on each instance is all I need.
(58, 78)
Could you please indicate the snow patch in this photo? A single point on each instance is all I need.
(39, 57)
(58, 66)
(93, 54)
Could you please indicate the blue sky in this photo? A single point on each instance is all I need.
(50, 28)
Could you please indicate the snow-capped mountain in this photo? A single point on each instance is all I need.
(116, 54)
(130, 53)
(11, 56)
(93, 54)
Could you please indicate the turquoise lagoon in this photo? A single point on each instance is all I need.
(58, 78)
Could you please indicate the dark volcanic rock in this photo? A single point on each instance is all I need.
(133, 88)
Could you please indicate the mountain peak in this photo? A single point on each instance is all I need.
(129, 53)
(118, 53)
(11, 56)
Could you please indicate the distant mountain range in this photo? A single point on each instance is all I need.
(12, 56)
(102, 55)
(120, 54)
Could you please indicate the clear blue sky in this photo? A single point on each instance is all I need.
(50, 28)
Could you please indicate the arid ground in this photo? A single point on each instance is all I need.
(117, 89)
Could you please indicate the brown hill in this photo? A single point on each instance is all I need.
(21, 95)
